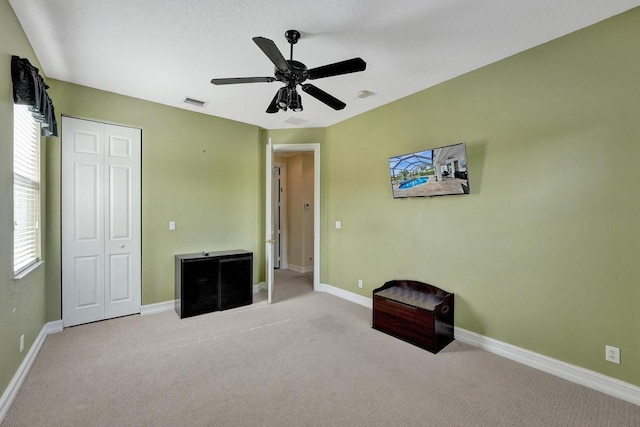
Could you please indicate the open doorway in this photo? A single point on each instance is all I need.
(295, 212)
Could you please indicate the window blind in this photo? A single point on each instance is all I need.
(26, 189)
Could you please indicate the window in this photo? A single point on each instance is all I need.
(26, 190)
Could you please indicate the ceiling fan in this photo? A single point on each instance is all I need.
(293, 73)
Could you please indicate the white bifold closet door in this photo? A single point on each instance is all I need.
(101, 221)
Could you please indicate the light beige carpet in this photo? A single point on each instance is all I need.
(308, 359)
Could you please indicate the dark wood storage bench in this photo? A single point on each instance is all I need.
(416, 312)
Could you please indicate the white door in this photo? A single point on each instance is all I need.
(101, 221)
(276, 219)
(268, 222)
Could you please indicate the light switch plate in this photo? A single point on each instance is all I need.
(172, 225)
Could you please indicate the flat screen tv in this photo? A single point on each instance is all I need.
(437, 172)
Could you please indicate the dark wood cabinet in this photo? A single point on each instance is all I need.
(416, 312)
(206, 282)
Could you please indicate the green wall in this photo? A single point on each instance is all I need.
(542, 253)
(21, 302)
(201, 171)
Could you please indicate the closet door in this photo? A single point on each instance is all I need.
(101, 221)
(122, 221)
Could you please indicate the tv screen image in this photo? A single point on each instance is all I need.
(437, 172)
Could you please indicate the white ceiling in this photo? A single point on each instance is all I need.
(166, 50)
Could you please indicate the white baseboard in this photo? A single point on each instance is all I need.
(54, 327)
(156, 308)
(602, 383)
(13, 388)
(260, 286)
(300, 270)
(576, 374)
(349, 296)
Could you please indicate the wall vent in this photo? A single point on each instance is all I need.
(193, 101)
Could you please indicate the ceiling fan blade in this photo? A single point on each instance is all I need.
(235, 80)
(323, 96)
(344, 67)
(273, 53)
(273, 107)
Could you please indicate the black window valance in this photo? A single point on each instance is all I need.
(30, 89)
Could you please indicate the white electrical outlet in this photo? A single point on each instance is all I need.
(21, 343)
(612, 354)
(360, 283)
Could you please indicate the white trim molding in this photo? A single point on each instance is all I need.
(156, 308)
(349, 296)
(315, 149)
(16, 382)
(54, 327)
(300, 270)
(594, 380)
(602, 383)
(260, 286)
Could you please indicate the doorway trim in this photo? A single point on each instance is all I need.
(284, 262)
(315, 149)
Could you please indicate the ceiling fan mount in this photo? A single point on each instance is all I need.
(292, 36)
(293, 74)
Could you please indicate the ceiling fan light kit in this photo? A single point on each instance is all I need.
(293, 74)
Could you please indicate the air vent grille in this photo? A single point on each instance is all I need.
(296, 121)
(193, 101)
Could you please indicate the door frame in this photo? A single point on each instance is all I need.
(281, 244)
(138, 298)
(315, 149)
